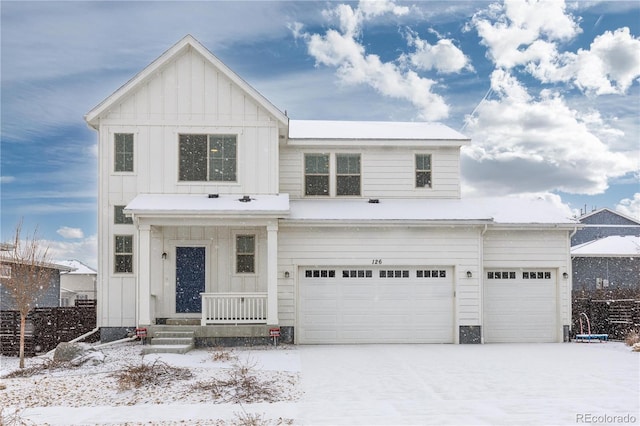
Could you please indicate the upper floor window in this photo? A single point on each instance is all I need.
(208, 158)
(123, 159)
(347, 174)
(423, 170)
(120, 217)
(123, 254)
(245, 254)
(316, 174)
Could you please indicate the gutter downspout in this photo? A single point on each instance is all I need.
(480, 281)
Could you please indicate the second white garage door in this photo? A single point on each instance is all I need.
(520, 306)
(375, 305)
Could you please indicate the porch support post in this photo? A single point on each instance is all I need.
(272, 273)
(144, 275)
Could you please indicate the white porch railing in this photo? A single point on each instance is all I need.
(234, 308)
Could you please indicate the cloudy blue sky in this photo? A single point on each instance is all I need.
(549, 92)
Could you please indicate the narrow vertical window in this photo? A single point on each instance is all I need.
(123, 254)
(123, 143)
(423, 171)
(120, 217)
(347, 174)
(316, 174)
(245, 254)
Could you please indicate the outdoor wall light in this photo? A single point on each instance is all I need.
(164, 255)
(286, 274)
(565, 275)
(469, 274)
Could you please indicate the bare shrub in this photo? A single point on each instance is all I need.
(12, 418)
(632, 338)
(154, 374)
(241, 385)
(48, 365)
(222, 354)
(249, 419)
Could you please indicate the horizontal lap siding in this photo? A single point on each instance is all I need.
(386, 172)
(393, 246)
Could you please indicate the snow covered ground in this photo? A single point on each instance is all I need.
(536, 384)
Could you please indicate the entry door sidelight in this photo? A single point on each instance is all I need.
(190, 279)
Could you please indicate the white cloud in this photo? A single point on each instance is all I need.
(85, 250)
(443, 56)
(71, 233)
(524, 143)
(519, 32)
(7, 179)
(340, 48)
(609, 66)
(630, 206)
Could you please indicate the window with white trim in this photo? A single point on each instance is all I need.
(119, 217)
(5, 271)
(423, 170)
(123, 254)
(316, 174)
(123, 152)
(208, 158)
(347, 174)
(245, 254)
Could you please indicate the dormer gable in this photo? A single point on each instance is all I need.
(185, 45)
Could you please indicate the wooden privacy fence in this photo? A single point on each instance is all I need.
(46, 327)
(615, 317)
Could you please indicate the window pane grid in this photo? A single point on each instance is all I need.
(123, 258)
(208, 158)
(316, 179)
(348, 174)
(245, 254)
(123, 144)
(423, 170)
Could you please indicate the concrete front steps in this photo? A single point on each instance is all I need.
(175, 342)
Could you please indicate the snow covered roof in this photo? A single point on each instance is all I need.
(204, 204)
(4, 258)
(613, 246)
(373, 130)
(78, 267)
(496, 210)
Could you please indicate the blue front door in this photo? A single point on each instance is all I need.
(190, 278)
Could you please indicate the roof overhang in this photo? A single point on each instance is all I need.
(208, 206)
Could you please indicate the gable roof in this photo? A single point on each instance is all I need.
(79, 268)
(606, 211)
(186, 42)
(613, 246)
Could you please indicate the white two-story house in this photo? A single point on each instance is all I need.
(219, 212)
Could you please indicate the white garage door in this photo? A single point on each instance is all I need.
(375, 305)
(520, 306)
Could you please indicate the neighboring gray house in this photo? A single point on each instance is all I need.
(77, 284)
(604, 223)
(607, 263)
(51, 297)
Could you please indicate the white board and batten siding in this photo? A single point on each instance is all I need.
(525, 296)
(386, 172)
(368, 307)
(186, 95)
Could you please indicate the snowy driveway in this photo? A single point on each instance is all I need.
(544, 384)
(498, 384)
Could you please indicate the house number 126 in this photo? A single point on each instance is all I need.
(376, 262)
